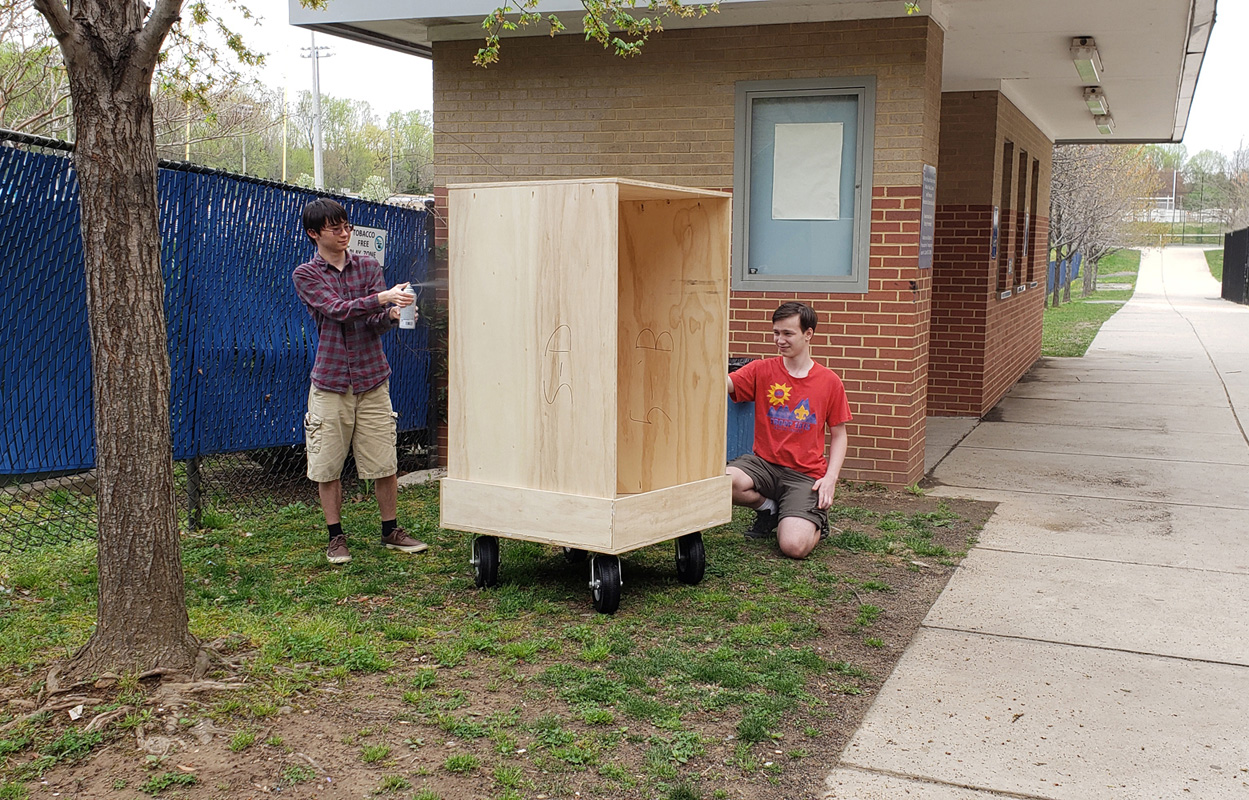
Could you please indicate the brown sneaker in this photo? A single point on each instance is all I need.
(337, 552)
(401, 541)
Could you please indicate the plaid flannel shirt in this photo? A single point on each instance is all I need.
(350, 322)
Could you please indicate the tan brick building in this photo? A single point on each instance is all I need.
(823, 120)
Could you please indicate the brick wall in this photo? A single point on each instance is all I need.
(980, 343)
(559, 107)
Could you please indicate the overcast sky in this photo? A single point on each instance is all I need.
(389, 81)
(1219, 119)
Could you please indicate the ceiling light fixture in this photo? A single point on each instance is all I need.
(1095, 99)
(1088, 61)
(1105, 124)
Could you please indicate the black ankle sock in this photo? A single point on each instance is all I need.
(336, 530)
(388, 526)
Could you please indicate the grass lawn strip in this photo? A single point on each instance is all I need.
(1215, 259)
(392, 675)
(1068, 330)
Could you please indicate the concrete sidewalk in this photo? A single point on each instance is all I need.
(1095, 644)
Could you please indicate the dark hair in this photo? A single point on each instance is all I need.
(321, 212)
(805, 314)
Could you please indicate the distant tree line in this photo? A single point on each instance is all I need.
(220, 116)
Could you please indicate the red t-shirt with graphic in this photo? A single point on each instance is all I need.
(791, 413)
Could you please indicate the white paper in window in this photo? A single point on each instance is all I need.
(806, 171)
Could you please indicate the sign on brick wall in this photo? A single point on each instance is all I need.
(927, 216)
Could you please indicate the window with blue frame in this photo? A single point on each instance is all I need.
(802, 184)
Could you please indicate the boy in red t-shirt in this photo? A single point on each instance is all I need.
(787, 480)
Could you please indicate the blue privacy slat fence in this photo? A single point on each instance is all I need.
(241, 344)
(1063, 271)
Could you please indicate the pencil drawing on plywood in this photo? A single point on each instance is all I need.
(556, 364)
(647, 340)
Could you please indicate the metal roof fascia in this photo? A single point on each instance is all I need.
(1200, 23)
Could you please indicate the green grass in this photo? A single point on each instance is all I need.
(167, 780)
(461, 763)
(635, 699)
(1117, 262)
(1068, 330)
(1215, 259)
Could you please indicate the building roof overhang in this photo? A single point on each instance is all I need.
(1151, 50)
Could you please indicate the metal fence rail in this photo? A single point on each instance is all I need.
(241, 344)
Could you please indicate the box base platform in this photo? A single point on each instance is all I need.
(610, 526)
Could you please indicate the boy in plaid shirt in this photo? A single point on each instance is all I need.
(349, 400)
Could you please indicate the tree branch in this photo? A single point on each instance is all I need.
(57, 15)
(159, 23)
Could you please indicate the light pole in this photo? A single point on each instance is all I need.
(245, 109)
(314, 52)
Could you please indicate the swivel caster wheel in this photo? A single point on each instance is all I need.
(691, 558)
(605, 583)
(485, 561)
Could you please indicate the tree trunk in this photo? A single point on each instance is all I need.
(142, 618)
(1090, 277)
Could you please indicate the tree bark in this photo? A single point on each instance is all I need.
(110, 55)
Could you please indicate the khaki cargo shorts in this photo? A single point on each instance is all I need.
(365, 423)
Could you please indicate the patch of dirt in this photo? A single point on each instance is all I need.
(315, 747)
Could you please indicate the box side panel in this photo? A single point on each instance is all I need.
(533, 325)
(673, 342)
(516, 513)
(664, 514)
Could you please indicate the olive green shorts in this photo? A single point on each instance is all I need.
(791, 490)
(364, 423)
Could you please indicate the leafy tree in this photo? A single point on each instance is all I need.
(34, 90)
(1217, 186)
(375, 189)
(1094, 194)
(410, 151)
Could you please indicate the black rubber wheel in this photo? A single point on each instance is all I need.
(605, 583)
(485, 561)
(574, 555)
(691, 558)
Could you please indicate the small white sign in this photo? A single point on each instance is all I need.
(806, 171)
(369, 242)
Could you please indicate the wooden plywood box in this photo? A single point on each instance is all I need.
(588, 338)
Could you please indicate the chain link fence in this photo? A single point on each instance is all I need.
(241, 344)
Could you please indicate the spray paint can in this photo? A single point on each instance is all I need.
(407, 314)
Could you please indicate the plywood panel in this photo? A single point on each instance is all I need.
(536, 516)
(673, 342)
(668, 513)
(589, 523)
(532, 336)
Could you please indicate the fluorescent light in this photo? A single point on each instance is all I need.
(1088, 60)
(1095, 99)
(1105, 124)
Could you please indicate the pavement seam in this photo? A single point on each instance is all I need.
(1101, 427)
(1083, 400)
(973, 447)
(937, 782)
(1110, 561)
(1104, 648)
(1232, 406)
(953, 447)
(1085, 497)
